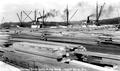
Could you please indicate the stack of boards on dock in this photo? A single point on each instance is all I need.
(58, 49)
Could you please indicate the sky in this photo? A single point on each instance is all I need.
(9, 8)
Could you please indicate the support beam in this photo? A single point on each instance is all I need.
(27, 15)
(73, 14)
(19, 20)
(101, 9)
(18, 17)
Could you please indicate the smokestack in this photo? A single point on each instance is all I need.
(88, 20)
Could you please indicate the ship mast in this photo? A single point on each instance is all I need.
(67, 15)
(35, 16)
(97, 14)
(43, 21)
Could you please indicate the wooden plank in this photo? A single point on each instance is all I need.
(109, 56)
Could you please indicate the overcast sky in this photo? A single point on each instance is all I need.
(9, 8)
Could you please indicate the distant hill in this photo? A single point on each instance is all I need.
(110, 21)
(14, 24)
